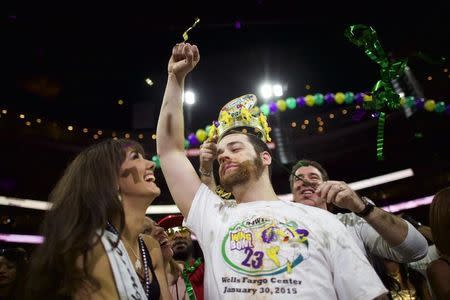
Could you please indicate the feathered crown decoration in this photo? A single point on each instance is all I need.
(241, 114)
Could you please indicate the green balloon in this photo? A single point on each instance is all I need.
(349, 97)
(410, 101)
(440, 107)
(186, 144)
(318, 99)
(265, 109)
(291, 103)
(207, 128)
(155, 159)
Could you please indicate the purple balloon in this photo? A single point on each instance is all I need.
(193, 141)
(447, 110)
(359, 98)
(329, 98)
(216, 123)
(420, 102)
(273, 107)
(301, 101)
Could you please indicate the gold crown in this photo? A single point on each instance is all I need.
(241, 114)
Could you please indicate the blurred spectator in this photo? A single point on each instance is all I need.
(403, 282)
(439, 270)
(13, 262)
(183, 252)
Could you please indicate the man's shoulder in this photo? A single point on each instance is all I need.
(310, 210)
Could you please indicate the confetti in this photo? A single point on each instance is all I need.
(185, 34)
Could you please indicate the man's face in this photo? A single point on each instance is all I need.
(304, 187)
(238, 161)
(7, 271)
(181, 241)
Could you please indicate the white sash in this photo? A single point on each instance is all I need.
(127, 281)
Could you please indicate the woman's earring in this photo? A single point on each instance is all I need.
(119, 196)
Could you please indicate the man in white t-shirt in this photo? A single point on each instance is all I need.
(374, 230)
(262, 247)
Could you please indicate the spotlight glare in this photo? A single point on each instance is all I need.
(149, 81)
(39, 121)
(189, 97)
(277, 90)
(70, 127)
(266, 91)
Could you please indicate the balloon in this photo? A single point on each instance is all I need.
(193, 141)
(440, 107)
(207, 128)
(265, 109)
(420, 103)
(329, 98)
(272, 107)
(201, 135)
(367, 98)
(318, 99)
(281, 105)
(291, 103)
(186, 144)
(359, 98)
(339, 98)
(301, 101)
(410, 101)
(429, 105)
(402, 101)
(155, 159)
(309, 99)
(349, 97)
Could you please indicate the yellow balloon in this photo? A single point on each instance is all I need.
(402, 100)
(309, 100)
(339, 98)
(429, 105)
(281, 104)
(201, 135)
(367, 97)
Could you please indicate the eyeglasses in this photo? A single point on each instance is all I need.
(183, 231)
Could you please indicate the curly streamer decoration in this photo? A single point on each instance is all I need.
(185, 34)
(384, 97)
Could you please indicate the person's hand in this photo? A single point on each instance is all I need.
(208, 153)
(341, 195)
(183, 60)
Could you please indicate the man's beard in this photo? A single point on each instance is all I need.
(243, 173)
(185, 254)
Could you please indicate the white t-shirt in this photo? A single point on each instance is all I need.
(413, 248)
(277, 250)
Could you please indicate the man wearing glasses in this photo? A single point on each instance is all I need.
(183, 252)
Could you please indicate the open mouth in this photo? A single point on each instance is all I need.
(307, 192)
(149, 178)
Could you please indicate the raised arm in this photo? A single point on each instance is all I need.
(180, 176)
(399, 239)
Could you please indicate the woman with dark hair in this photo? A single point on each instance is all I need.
(93, 248)
(403, 282)
(13, 262)
(439, 270)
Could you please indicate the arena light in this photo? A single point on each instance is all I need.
(266, 91)
(189, 97)
(277, 90)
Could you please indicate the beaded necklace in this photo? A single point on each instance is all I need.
(111, 228)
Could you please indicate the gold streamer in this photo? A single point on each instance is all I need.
(185, 34)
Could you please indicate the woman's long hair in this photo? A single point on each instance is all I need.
(440, 220)
(84, 200)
